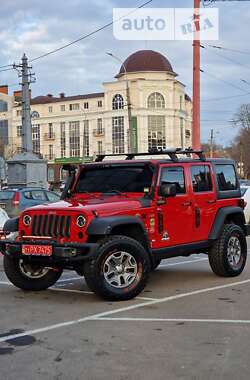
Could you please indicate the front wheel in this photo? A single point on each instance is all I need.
(228, 255)
(120, 269)
(30, 276)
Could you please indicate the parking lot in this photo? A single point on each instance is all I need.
(187, 324)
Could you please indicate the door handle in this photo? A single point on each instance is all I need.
(186, 204)
(211, 201)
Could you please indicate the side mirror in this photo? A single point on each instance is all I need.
(167, 190)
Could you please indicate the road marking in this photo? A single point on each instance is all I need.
(182, 262)
(70, 279)
(121, 310)
(234, 321)
(80, 291)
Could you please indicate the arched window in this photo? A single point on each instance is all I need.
(156, 100)
(117, 102)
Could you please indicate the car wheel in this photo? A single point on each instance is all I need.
(30, 276)
(228, 255)
(120, 269)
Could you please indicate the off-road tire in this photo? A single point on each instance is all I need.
(155, 264)
(218, 257)
(17, 278)
(94, 268)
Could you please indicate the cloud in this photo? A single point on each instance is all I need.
(36, 27)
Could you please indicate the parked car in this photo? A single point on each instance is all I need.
(118, 220)
(245, 193)
(13, 201)
(244, 182)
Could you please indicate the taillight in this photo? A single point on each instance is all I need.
(16, 199)
(242, 203)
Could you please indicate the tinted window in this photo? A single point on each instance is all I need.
(27, 194)
(201, 178)
(6, 195)
(226, 177)
(174, 175)
(120, 178)
(52, 197)
(38, 195)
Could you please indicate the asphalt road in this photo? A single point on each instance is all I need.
(187, 324)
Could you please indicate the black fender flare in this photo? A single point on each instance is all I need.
(104, 226)
(11, 225)
(220, 218)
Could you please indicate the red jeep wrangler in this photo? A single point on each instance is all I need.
(118, 219)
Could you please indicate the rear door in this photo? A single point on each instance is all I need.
(204, 200)
(175, 215)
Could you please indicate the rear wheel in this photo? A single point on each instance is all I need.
(119, 270)
(30, 276)
(228, 255)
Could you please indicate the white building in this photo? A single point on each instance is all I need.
(76, 128)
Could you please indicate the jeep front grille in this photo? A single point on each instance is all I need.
(51, 225)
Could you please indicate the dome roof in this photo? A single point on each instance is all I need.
(146, 60)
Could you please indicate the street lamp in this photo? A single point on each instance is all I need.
(131, 142)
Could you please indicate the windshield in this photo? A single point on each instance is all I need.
(108, 179)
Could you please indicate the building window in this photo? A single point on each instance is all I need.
(156, 132)
(36, 138)
(19, 112)
(3, 106)
(62, 107)
(181, 102)
(99, 103)
(63, 139)
(74, 107)
(117, 102)
(74, 138)
(50, 109)
(85, 105)
(99, 147)
(51, 131)
(156, 100)
(86, 138)
(51, 152)
(118, 134)
(99, 126)
(19, 130)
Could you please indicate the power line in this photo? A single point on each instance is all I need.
(1, 67)
(228, 49)
(1, 71)
(222, 80)
(89, 34)
(228, 59)
(224, 97)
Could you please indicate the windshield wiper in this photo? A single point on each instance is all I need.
(114, 191)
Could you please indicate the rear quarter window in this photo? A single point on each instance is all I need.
(6, 195)
(226, 177)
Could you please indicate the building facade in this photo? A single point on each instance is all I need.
(77, 128)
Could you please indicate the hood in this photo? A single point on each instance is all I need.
(107, 205)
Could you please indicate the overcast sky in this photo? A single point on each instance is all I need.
(35, 27)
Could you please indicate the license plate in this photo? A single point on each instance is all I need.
(37, 250)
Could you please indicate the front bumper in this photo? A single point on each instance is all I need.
(67, 253)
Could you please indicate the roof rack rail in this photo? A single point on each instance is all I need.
(171, 153)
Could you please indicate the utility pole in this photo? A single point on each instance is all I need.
(196, 77)
(27, 78)
(211, 143)
(132, 143)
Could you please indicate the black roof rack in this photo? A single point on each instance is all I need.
(171, 153)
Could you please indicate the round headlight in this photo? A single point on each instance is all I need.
(26, 220)
(81, 221)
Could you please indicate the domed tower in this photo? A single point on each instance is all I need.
(148, 102)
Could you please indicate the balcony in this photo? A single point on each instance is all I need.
(49, 136)
(99, 132)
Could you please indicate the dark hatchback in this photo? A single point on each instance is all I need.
(13, 201)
